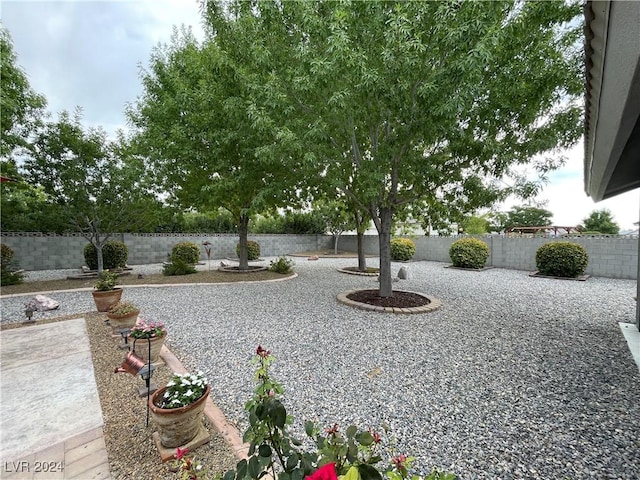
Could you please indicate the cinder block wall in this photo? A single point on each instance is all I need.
(36, 251)
(614, 257)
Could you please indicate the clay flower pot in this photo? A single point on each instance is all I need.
(142, 347)
(127, 320)
(105, 299)
(177, 426)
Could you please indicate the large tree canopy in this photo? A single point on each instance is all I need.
(601, 221)
(422, 104)
(21, 107)
(203, 125)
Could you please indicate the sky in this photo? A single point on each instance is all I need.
(89, 53)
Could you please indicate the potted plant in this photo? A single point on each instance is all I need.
(177, 408)
(123, 314)
(106, 294)
(145, 336)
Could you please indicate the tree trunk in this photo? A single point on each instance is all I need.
(98, 246)
(384, 239)
(243, 231)
(362, 260)
(336, 237)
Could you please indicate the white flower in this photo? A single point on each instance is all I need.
(171, 383)
(189, 393)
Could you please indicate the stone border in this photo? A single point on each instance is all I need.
(469, 269)
(434, 304)
(234, 269)
(579, 278)
(362, 274)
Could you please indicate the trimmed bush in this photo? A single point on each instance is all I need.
(114, 255)
(469, 253)
(187, 252)
(562, 259)
(178, 267)
(402, 249)
(253, 250)
(282, 265)
(8, 273)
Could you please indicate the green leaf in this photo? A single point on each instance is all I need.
(309, 428)
(351, 431)
(254, 467)
(264, 451)
(364, 438)
(292, 461)
(278, 414)
(367, 472)
(241, 469)
(352, 474)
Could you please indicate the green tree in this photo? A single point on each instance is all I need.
(475, 225)
(424, 103)
(22, 108)
(337, 218)
(203, 124)
(523, 216)
(601, 221)
(99, 185)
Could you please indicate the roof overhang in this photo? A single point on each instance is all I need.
(612, 110)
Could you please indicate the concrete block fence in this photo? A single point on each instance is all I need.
(614, 257)
(38, 251)
(609, 256)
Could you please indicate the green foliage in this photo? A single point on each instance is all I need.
(475, 225)
(114, 255)
(178, 267)
(273, 451)
(22, 108)
(601, 221)
(303, 223)
(220, 221)
(187, 252)
(402, 249)
(282, 265)
(469, 253)
(106, 281)
(522, 216)
(562, 259)
(8, 270)
(253, 250)
(268, 225)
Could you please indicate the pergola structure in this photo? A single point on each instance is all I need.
(612, 101)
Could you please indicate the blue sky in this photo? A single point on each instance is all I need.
(88, 54)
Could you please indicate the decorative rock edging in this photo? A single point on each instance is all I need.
(453, 267)
(363, 274)
(149, 285)
(579, 278)
(434, 304)
(234, 269)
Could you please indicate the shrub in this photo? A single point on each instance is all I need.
(8, 273)
(178, 267)
(253, 250)
(304, 223)
(282, 265)
(187, 252)
(402, 249)
(562, 259)
(114, 255)
(469, 253)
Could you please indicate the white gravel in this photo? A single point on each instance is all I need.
(515, 377)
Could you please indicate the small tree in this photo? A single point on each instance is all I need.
(98, 184)
(523, 216)
(601, 221)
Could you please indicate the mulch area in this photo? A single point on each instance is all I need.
(398, 299)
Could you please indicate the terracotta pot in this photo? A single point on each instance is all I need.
(128, 320)
(142, 347)
(177, 426)
(105, 299)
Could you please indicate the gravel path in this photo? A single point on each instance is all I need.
(515, 377)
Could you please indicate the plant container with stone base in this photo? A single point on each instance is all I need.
(177, 426)
(105, 299)
(141, 347)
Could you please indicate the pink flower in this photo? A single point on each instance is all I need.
(332, 430)
(376, 437)
(399, 461)
(261, 352)
(326, 472)
(181, 452)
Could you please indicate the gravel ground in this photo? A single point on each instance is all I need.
(515, 377)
